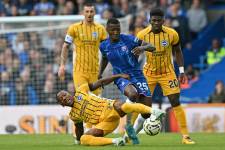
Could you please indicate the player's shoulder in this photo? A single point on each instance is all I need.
(76, 24)
(104, 43)
(144, 31)
(125, 36)
(169, 30)
(98, 25)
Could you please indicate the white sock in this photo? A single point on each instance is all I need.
(114, 140)
(138, 125)
(128, 101)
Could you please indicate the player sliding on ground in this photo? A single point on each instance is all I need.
(104, 114)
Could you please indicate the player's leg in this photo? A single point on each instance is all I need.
(138, 108)
(79, 79)
(95, 135)
(128, 89)
(170, 87)
(132, 94)
(144, 98)
(180, 117)
(93, 77)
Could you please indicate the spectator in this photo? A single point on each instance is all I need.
(116, 8)
(180, 10)
(192, 74)
(216, 54)
(107, 14)
(218, 96)
(2, 62)
(5, 87)
(69, 8)
(24, 8)
(197, 19)
(14, 11)
(180, 24)
(60, 7)
(100, 6)
(48, 91)
(44, 8)
(137, 25)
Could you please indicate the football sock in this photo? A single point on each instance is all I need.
(138, 125)
(95, 141)
(181, 119)
(135, 107)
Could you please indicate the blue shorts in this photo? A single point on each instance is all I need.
(139, 82)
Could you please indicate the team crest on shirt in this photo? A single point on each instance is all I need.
(95, 34)
(164, 43)
(124, 48)
(79, 98)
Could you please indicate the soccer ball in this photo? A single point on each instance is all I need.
(152, 126)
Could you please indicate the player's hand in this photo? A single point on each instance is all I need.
(152, 48)
(183, 78)
(137, 51)
(125, 76)
(61, 72)
(99, 76)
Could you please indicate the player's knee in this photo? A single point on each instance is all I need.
(95, 132)
(133, 96)
(117, 106)
(85, 139)
(145, 115)
(174, 100)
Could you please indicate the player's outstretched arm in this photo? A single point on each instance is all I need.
(63, 60)
(180, 62)
(105, 81)
(144, 47)
(79, 130)
(103, 65)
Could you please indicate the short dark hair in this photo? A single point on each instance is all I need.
(156, 12)
(89, 4)
(113, 21)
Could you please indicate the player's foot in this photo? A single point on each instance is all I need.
(187, 140)
(157, 113)
(119, 141)
(126, 138)
(132, 134)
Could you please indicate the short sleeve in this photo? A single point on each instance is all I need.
(102, 49)
(175, 40)
(70, 35)
(139, 35)
(104, 34)
(134, 41)
(83, 88)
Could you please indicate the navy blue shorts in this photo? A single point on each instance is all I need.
(139, 82)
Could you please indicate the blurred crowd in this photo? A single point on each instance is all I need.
(29, 61)
(188, 18)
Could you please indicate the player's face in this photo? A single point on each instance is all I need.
(65, 99)
(156, 22)
(114, 31)
(89, 13)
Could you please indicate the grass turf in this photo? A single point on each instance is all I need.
(163, 141)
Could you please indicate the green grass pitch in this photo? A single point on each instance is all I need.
(163, 141)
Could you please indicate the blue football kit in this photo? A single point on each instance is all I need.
(120, 55)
